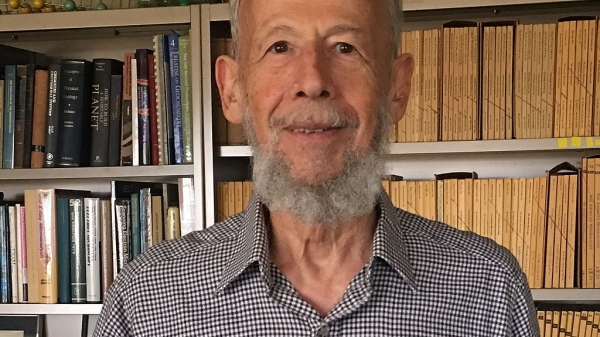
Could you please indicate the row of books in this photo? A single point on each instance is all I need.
(547, 223)
(482, 81)
(65, 246)
(104, 112)
(569, 323)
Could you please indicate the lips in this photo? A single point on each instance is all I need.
(311, 131)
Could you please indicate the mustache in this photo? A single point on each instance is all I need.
(320, 113)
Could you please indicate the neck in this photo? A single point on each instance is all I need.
(320, 246)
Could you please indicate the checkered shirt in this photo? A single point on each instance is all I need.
(424, 279)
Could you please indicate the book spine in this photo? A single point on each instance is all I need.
(106, 246)
(92, 249)
(52, 120)
(12, 230)
(160, 96)
(154, 133)
(172, 227)
(40, 112)
(4, 293)
(186, 205)
(2, 92)
(146, 199)
(33, 242)
(157, 219)
(10, 92)
(123, 223)
(75, 105)
(142, 220)
(169, 151)
(176, 97)
(114, 128)
(78, 275)
(22, 255)
(63, 241)
(127, 114)
(20, 115)
(135, 128)
(100, 113)
(186, 99)
(47, 249)
(143, 99)
(135, 225)
(28, 130)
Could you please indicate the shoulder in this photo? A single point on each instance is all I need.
(428, 239)
(207, 251)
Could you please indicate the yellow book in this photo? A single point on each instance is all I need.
(564, 231)
(551, 232)
(569, 325)
(571, 79)
(534, 231)
(498, 85)
(158, 227)
(578, 109)
(453, 183)
(548, 321)
(419, 198)
(556, 268)
(411, 196)
(521, 220)
(477, 206)
(585, 116)
(484, 223)
(583, 237)
(492, 209)
(590, 77)
(506, 211)
(487, 107)
(426, 80)
(596, 324)
(426, 196)
(589, 324)
(433, 206)
(403, 198)
(583, 323)
(385, 183)
(239, 196)
(231, 198)
(541, 315)
(536, 62)
(219, 202)
(401, 126)
(247, 191)
(597, 222)
(461, 218)
(514, 217)
(528, 231)
(499, 211)
(454, 73)
(538, 81)
(563, 323)
(394, 193)
(225, 201)
(591, 221)
(518, 75)
(572, 230)
(509, 81)
(435, 91)
(418, 85)
(576, 324)
(555, 323)
(469, 204)
(467, 118)
(502, 96)
(546, 121)
(564, 93)
(411, 107)
(446, 85)
(558, 117)
(541, 237)
(550, 69)
(31, 232)
(527, 77)
(440, 200)
(173, 225)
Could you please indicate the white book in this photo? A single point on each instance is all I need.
(12, 231)
(135, 141)
(21, 255)
(92, 249)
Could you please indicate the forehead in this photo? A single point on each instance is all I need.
(366, 14)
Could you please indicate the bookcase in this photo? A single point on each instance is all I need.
(89, 35)
(512, 158)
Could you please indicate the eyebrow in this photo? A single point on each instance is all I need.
(344, 29)
(280, 29)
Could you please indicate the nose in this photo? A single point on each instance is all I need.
(313, 76)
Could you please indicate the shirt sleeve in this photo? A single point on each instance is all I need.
(113, 320)
(524, 317)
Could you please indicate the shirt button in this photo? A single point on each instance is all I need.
(323, 331)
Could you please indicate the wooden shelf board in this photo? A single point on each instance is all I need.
(121, 172)
(480, 146)
(113, 18)
(566, 295)
(50, 309)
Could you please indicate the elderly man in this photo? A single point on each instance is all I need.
(320, 251)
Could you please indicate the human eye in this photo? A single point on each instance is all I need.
(279, 47)
(344, 48)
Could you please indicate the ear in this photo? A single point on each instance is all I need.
(400, 89)
(226, 73)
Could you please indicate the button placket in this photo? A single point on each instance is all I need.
(323, 331)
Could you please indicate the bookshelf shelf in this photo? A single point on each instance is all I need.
(123, 172)
(479, 146)
(566, 295)
(96, 19)
(50, 309)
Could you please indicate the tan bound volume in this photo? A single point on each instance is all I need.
(477, 206)
(558, 80)
(583, 221)
(534, 231)
(514, 217)
(528, 231)
(551, 231)
(572, 230)
(521, 220)
(518, 75)
(509, 81)
(590, 218)
(541, 236)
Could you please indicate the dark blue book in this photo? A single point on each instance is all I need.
(168, 149)
(63, 240)
(75, 113)
(10, 96)
(173, 40)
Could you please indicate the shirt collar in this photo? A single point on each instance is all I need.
(252, 244)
